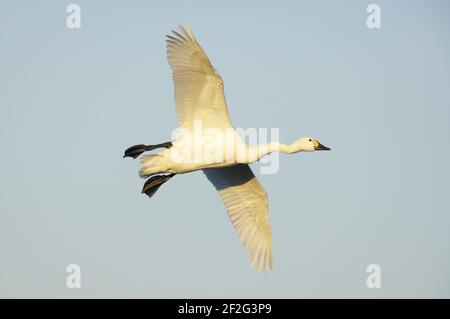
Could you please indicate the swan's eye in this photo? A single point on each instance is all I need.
(310, 140)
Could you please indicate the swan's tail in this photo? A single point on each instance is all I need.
(151, 164)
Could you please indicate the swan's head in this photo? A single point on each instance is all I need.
(309, 144)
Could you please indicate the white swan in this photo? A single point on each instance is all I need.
(199, 97)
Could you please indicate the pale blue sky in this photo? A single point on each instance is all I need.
(72, 100)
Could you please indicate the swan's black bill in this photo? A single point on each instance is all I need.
(136, 150)
(321, 147)
(153, 183)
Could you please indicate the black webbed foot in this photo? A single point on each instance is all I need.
(136, 150)
(153, 183)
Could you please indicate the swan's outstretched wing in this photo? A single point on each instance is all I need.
(247, 206)
(199, 93)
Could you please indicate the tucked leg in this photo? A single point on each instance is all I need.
(136, 150)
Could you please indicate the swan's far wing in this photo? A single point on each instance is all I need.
(247, 206)
(199, 93)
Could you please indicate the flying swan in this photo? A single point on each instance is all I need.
(200, 102)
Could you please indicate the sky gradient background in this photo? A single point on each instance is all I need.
(71, 101)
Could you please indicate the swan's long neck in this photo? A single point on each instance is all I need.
(262, 150)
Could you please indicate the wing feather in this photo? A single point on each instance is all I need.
(247, 206)
(199, 93)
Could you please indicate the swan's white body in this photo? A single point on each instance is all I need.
(199, 97)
